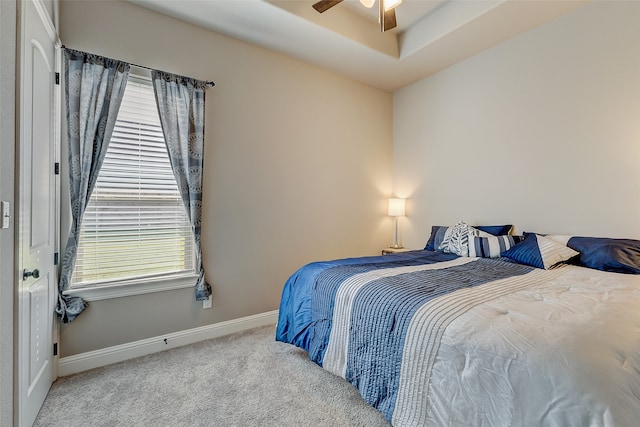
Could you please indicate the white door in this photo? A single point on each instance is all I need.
(37, 214)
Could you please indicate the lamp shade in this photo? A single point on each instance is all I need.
(396, 207)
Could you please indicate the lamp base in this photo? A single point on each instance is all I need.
(396, 240)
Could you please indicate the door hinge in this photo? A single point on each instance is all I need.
(55, 348)
(57, 78)
(56, 168)
(56, 257)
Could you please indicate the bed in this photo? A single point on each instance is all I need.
(496, 331)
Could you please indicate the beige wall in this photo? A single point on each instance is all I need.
(542, 131)
(298, 168)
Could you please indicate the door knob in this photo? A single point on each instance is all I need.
(26, 274)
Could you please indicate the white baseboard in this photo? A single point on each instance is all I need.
(106, 356)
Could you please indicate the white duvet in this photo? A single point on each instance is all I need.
(563, 352)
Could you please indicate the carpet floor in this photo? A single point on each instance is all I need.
(244, 379)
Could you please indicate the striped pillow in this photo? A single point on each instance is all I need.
(540, 252)
(490, 246)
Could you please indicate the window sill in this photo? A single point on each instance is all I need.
(133, 287)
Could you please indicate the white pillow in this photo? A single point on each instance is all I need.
(559, 238)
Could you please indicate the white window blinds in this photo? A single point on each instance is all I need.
(135, 226)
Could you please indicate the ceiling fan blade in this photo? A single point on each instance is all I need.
(324, 5)
(388, 20)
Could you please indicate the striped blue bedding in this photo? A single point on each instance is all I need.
(432, 339)
(352, 315)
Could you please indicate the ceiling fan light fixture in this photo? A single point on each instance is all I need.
(367, 3)
(387, 15)
(390, 4)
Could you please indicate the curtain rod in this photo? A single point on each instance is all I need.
(208, 82)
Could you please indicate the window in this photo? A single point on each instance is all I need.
(135, 227)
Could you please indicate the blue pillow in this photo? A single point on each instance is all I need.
(496, 230)
(436, 238)
(438, 232)
(616, 255)
(538, 251)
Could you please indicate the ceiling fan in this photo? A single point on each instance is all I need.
(387, 10)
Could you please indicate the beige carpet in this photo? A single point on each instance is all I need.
(245, 379)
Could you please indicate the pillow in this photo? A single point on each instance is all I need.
(437, 235)
(456, 240)
(538, 251)
(559, 238)
(490, 246)
(496, 230)
(616, 255)
(438, 232)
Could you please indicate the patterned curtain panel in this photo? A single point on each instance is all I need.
(94, 87)
(181, 108)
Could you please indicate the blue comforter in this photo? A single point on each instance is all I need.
(295, 322)
(379, 297)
